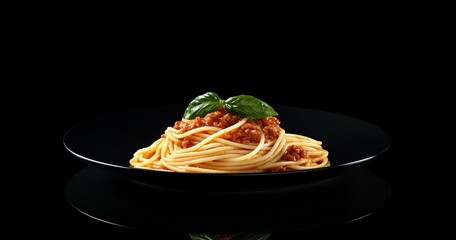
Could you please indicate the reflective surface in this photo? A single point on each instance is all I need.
(109, 141)
(419, 168)
(119, 201)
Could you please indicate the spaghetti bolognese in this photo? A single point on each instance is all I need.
(239, 135)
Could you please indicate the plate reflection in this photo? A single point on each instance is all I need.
(116, 200)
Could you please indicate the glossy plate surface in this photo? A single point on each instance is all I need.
(109, 142)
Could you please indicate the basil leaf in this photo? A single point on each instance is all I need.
(202, 105)
(198, 236)
(249, 107)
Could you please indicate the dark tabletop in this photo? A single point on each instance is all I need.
(407, 190)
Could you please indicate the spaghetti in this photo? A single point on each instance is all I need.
(221, 142)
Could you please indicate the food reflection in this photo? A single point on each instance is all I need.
(233, 236)
(120, 201)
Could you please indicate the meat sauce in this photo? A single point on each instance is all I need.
(247, 133)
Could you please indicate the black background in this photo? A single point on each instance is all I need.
(414, 167)
(380, 79)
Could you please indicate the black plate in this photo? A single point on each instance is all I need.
(109, 142)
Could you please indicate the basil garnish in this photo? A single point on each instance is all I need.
(249, 107)
(242, 105)
(202, 105)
